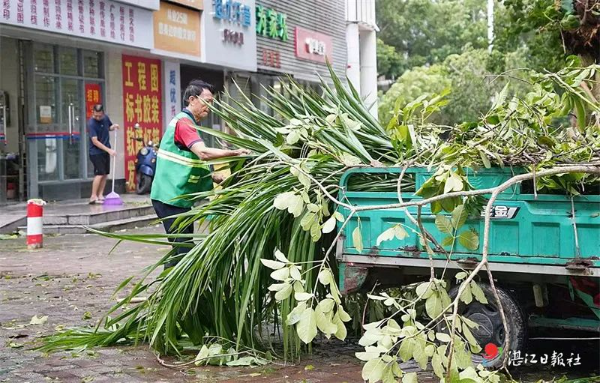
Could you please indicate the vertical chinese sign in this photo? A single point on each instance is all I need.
(92, 97)
(172, 90)
(142, 104)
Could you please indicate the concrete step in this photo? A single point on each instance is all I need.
(105, 214)
(10, 223)
(110, 226)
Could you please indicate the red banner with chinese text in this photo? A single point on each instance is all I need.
(92, 97)
(141, 105)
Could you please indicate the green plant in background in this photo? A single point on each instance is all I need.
(424, 32)
(468, 79)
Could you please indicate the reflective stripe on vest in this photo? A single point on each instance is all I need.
(173, 157)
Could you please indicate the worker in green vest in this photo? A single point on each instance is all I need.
(180, 166)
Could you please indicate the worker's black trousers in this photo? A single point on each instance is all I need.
(166, 212)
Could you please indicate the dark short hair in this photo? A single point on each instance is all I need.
(98, 108)
(195, 89)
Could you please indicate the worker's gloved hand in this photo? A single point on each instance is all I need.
(218, 178)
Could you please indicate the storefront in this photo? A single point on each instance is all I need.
(59, 58)
(297, 40)
(229, 43)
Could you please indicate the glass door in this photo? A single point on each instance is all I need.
(72, 146)
(56, 132)
(46, 137)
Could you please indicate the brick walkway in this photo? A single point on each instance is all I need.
(71, 280)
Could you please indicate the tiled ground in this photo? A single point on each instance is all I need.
(71, 280)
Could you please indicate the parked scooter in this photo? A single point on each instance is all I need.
(145, 164)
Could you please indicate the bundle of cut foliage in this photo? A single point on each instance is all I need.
(272, 202)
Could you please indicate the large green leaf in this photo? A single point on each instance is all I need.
(284, 293)
(466, 295)
(386, 235)
(443, 224)
(295, 315)
(373, 370)
(357, 239)
(433, 306)
(459, 216)
(406, 349)
(436, 363)
(478, 293)
(307, 326)
(324, 324)
(469, 239)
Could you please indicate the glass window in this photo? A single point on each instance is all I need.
(47, 154)
(71, 117)
(68, 61)
(45, 100)
(92, 64)
(43, 58)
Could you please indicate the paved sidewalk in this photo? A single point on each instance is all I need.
(14, 215)
(71, 281)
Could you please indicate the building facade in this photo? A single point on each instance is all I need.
(60, 57)
(361, 40)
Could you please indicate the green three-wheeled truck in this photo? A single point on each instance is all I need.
(544, 251)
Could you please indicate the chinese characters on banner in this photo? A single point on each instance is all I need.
(92, 97)
(104, 20)
(172, 90)
(142, 105)
(177, 29)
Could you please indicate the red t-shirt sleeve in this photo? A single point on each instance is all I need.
(185, 133)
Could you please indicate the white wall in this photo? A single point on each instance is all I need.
(361, 40)
(353, 41)
(368, 69)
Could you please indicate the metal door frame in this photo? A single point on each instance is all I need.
(31, 120)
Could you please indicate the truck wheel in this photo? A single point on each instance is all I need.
(144, 183)
(491, 329)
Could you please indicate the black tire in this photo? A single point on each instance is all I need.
(491, 329)
(143, 184)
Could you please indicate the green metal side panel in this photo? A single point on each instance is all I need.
(540, 232)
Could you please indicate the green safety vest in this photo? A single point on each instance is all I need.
(178, 172)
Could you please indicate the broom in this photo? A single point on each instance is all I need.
(113, 198)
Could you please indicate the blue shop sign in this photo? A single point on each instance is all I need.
(233, 11)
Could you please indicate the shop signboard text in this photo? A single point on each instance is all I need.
(92, 97)
(142, 104)
(270, 23)
(313, 46)
(105, 20)
(177, 29)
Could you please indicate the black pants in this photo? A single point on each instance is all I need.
(101, 163)
(164, 210)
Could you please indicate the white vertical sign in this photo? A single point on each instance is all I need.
(172, 90)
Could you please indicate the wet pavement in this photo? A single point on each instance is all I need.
(71, 281)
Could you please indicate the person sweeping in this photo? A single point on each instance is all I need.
(180, 168)
(100, 151)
